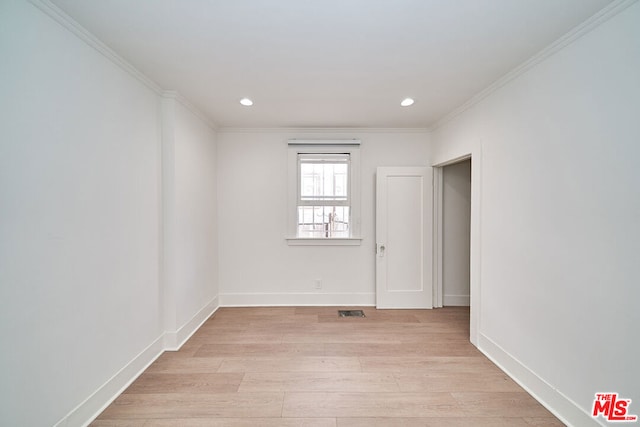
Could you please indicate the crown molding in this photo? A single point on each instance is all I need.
(576, 33)
(321, 130)
(70, 24)
(177, 96)
(83, 34)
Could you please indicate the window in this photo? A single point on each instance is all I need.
(323, 195)
(324, 192)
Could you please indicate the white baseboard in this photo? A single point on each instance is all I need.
(297, 299)
(457, 300)
(560, 405)
(88, 410)
(173, 340)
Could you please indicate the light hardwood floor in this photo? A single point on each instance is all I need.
(305, 366)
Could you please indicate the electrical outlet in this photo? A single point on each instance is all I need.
(317, 284)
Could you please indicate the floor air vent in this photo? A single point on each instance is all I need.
(351, 313)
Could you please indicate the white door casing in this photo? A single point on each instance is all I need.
(404, 237)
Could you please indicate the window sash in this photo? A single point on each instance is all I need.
(323, 221)
(322, 199)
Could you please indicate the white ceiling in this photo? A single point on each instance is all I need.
(327, 63)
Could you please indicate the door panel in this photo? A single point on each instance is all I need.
(403, 237)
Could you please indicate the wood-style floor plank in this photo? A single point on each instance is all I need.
(439, 382)
(291, 364)
(193, 405)
(172, 362)
(243, 422)
(305, 366)
(219, 422)
(119, 423)
(150, 382)
(319, 381)
(238, 338)
(259, 350)
(369, 405)
(508, 404)
(442, 364)
(462, 348)
(440, 422)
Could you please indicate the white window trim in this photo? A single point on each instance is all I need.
(324, 241)
(351, 147)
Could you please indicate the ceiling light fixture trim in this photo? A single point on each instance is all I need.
(407, 102)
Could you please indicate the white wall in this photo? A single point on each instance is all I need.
(83, 303)
(456, 234)
(256, 264)
(79, 218)
(190, 220)
(559, 215)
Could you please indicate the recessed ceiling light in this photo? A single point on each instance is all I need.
(406, 102)
(246, 102)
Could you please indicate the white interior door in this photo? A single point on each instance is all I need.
(404, 237)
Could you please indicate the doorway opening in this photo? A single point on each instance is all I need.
(467, 172)
(456, 234)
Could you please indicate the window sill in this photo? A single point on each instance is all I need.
(340, 241)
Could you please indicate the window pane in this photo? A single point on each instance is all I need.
(323, 181)
(323, 221)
